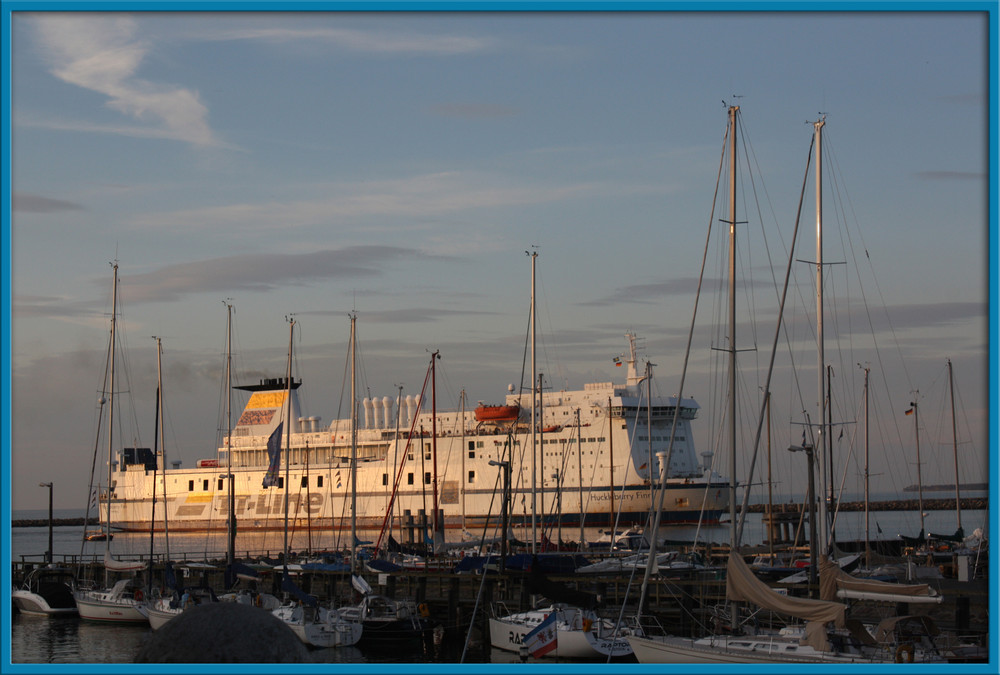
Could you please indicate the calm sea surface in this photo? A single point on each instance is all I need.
(69, 640)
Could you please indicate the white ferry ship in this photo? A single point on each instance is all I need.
(596, 452)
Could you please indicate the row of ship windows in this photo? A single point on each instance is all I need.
(304, 481)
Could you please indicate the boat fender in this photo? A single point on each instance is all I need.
(424, 610)
(257, 601)
(904, 653)
(137, 595)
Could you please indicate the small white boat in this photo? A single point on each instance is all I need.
(318, 626)
(162, 608)
(46, 591)
(580, 633)
(118, 604)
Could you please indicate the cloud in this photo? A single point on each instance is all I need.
(265, 271)
(25, 202)
(101, 53)
(373, 42)
(410, 198)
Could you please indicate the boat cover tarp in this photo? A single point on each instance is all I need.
(743, 586)
(832, 579)
(122, 565)
(289, 586)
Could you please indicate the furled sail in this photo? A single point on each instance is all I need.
(836, 583)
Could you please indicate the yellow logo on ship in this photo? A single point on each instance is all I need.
(266, 399)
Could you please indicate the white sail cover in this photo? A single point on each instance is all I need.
(122, 565)
(835, 582)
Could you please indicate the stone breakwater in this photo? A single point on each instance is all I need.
(968, 504)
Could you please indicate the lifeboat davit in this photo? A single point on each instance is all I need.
(497, 413)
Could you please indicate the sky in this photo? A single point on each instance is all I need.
(401, 166)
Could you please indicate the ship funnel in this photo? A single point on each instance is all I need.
(387, 411)
(376, 412)
(368, 412)
(411, 407)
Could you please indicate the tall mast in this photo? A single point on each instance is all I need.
(231, 525)
(288, 431)
(354, 450)
(733, 110)
(868, 552)
(163, 451)
(534, 425)
(954, 445)
(111, 415)
(819, 447)
(434, 509)
(579, 476)
(920, 480)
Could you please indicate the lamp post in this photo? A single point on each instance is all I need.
(48, 554)
(813, 557)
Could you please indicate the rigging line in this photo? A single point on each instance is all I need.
(774, 349)
(680, 390)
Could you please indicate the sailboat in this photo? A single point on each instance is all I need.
(118, 603)
(812, 641)
(314, 625)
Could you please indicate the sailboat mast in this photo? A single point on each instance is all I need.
(111, 415)
(868, 552)
(579, 477)
(954, 445)
(354, 450)
(920, 480)
(231, 547)
(733, 110)
(288, 430)
(156, 451)
(163, 450)
(534, 425)
(819, 447)
(434, 509)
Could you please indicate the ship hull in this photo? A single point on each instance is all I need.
(265, 510)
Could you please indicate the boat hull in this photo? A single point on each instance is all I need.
(28, 602)
(738, 649)
(572, 641)
(263, 510)
(92, 607)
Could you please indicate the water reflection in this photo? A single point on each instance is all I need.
(39, 639)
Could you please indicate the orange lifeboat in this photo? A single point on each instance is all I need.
(497, 413)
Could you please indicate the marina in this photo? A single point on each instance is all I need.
(702, 456)
(451, 598)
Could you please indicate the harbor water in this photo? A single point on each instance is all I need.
(70, 640)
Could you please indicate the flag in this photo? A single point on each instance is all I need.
(909, 412)
(542, 638)
(274, 454)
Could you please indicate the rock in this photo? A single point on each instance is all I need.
(224, 632)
